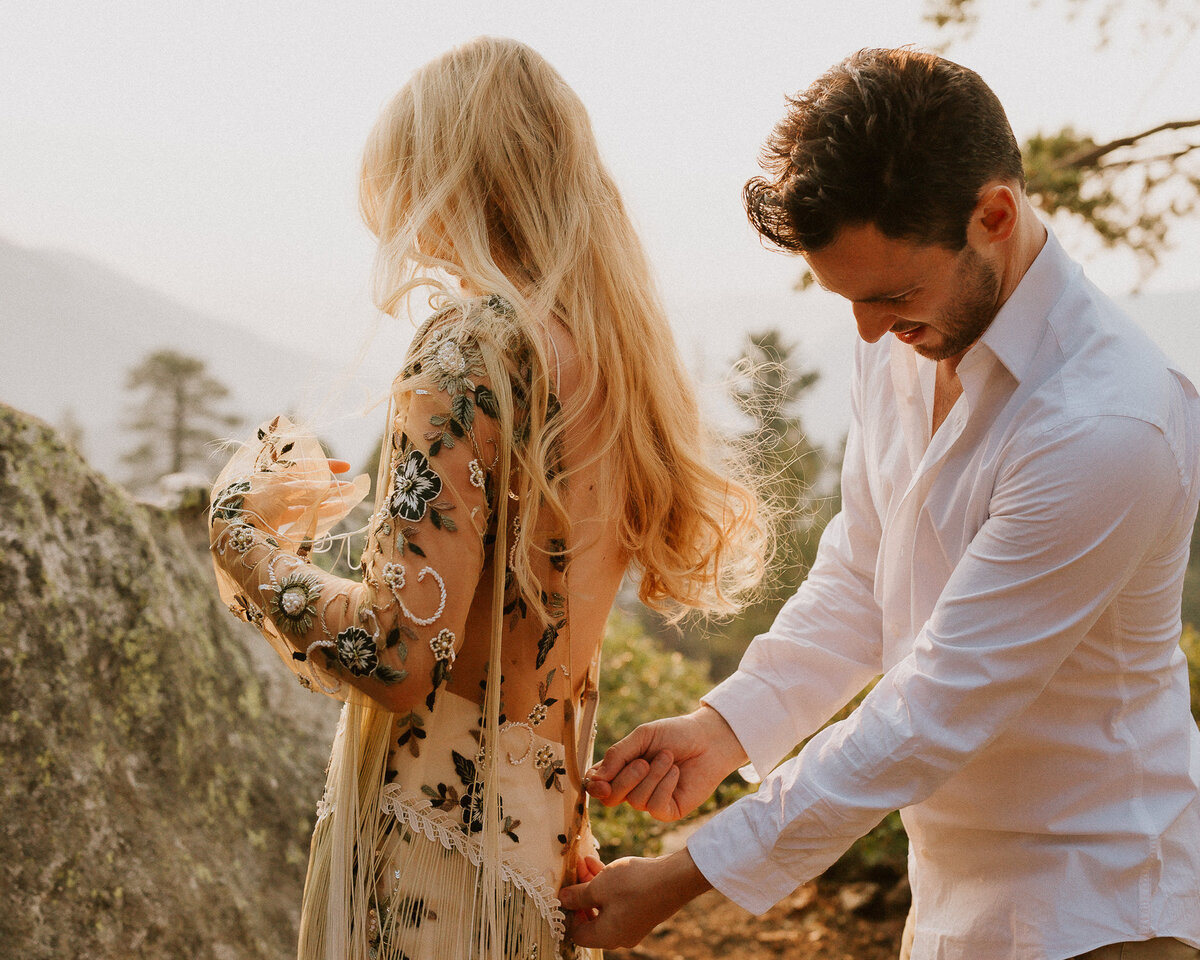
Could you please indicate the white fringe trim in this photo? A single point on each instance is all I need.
(417, 813)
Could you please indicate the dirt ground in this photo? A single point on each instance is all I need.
(818, 922)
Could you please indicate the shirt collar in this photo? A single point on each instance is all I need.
(1015, 334)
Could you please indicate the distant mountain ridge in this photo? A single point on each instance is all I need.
(72, 328)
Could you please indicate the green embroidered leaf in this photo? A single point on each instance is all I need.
(456, 428)
(415, 549)
(436, 519)
(435, 448)
(549, 636)
(463, 410)
(409, 634)
(438, 419)
(486, 401)
(553, 772)
(389, 675)
(464, 767)
(411, 912)
(448, 523)
(412, 726)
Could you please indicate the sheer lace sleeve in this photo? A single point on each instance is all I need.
(394, 636)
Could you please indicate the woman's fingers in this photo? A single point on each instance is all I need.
(339, 466)
(587, 868)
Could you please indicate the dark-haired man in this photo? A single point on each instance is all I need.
(1019, 488)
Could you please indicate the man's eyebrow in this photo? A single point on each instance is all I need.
(876, 298)
(884, 297)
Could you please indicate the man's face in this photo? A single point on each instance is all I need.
(937, 301)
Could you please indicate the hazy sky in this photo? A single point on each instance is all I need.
(210, 149)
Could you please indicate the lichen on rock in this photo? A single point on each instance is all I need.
(157, 781)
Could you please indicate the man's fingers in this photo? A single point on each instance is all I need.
(660, 766)
(662, 804)
(620, 755)
(630, 776)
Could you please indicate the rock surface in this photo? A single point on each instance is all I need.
(157, 776)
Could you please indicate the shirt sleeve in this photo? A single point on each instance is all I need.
(393, 636)
(826, 643)
(1067, 529)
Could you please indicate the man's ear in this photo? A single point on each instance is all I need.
(995, 215)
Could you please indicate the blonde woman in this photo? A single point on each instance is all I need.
(542, 441)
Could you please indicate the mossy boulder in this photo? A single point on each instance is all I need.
(157, 781)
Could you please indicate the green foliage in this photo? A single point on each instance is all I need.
(1128, 191)
(1191, 648)
(880, 854)
(639, 682)
(176, 417)
(1191, 582)
(1155, 18)
(768, 389)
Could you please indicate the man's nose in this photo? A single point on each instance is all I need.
(873, 319)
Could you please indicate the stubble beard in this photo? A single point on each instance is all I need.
(971, 312)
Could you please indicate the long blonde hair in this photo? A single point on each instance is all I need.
(484, 168)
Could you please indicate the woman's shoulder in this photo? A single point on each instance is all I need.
(486, 328)
(473, 318)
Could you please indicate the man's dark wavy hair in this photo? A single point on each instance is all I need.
(900, 139)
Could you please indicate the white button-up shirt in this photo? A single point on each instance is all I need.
(1016, 578)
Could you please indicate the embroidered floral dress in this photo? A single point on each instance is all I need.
(453, 808)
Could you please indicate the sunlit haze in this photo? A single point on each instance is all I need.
(209, 151)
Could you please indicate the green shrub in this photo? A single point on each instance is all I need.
(1191, 647)
(639, 681)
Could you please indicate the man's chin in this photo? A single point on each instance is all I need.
(941, 350)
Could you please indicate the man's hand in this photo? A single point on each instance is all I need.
(668, 767)
(629, 898)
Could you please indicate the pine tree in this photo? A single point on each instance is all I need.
(177, 414)
(768, 391)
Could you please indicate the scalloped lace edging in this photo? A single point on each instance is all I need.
(418, 814)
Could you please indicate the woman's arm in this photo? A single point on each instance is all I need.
(394, 636)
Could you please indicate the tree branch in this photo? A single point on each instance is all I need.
(1092, 156)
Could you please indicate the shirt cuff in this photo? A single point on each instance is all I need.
(726, 850)
(758, 718)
